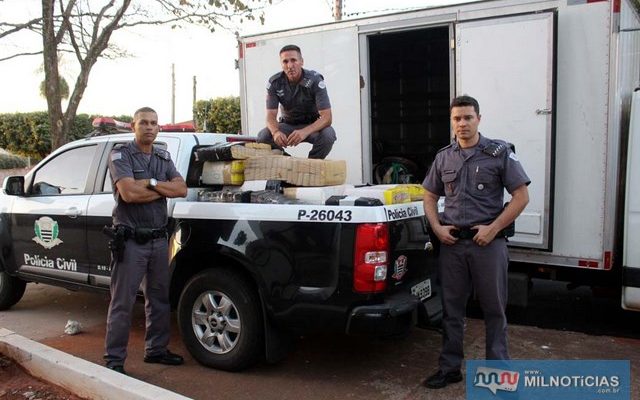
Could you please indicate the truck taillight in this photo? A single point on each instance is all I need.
(370, 258)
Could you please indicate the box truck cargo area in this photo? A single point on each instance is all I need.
(553, 77)
(409, 93)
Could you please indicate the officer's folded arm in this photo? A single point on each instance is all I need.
(136, 191)
(173, 188)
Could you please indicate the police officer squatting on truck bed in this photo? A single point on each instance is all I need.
(306, 110)
(143, 177)
(471, 174)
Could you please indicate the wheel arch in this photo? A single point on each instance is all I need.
(188, 262)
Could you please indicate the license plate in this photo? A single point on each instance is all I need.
(422, 289)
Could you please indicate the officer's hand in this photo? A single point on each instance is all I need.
(280, 139)
(443, 232)
(297, 137)
(484, 236)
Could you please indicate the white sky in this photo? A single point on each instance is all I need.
(120, 86)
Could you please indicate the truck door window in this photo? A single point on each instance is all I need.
(65, 174)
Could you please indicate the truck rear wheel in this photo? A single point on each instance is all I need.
(11, 290)
(220, 320)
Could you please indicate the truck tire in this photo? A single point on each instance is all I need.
(220, 320)
(11, 290)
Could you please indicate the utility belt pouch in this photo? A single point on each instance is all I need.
(142, 235)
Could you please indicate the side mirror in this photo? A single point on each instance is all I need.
(13, 186)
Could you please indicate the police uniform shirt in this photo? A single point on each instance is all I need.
(473, 183)
(129, 161)
(300, 102)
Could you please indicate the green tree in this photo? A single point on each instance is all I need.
(218, 115)
(84, 28)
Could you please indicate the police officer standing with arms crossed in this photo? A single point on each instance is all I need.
(143, 177)
(472, 174)
(306, 110)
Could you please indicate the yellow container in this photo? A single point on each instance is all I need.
(397, 195)
(416, 192)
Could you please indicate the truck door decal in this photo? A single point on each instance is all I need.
(47, 232)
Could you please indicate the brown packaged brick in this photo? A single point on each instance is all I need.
(297, 171)
(223, 172)
(226, 151)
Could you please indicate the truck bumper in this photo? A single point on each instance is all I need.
(394, 316)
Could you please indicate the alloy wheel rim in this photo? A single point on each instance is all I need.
(216, 322)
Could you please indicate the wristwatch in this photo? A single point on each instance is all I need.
(153, 182)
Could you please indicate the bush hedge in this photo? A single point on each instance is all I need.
(9, 161)
(27, 134)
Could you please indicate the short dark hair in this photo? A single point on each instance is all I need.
(464, 101)
(143, 109)
(290, 47)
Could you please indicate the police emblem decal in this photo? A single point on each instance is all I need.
(399, 268)
(47, 232)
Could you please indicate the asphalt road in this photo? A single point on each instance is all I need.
(559, 324)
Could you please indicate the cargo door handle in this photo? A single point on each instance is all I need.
(543, 111)
(73, 212)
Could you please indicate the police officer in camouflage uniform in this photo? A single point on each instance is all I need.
(143, 177)
(306, 110)
(472, 174)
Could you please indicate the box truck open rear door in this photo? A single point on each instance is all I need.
(631, 251)
(515, 90)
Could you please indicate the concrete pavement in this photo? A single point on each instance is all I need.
(321, 367)
(80, 377)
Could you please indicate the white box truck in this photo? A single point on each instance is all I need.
(556, 78)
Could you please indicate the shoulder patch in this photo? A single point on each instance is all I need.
(116, 155)
(162, 154)
(446, 147)
(322, 85)
(274, 77)
(494, 149)
(513, 157)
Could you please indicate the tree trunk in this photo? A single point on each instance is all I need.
(52, 76)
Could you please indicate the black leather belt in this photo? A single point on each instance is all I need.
(464, 233)
(158, 233)
(470, 233)
(143, 235)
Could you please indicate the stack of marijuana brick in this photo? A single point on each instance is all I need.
(296, 171)
(233, 163)
(224, 163)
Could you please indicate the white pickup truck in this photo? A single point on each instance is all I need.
(243, 276)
